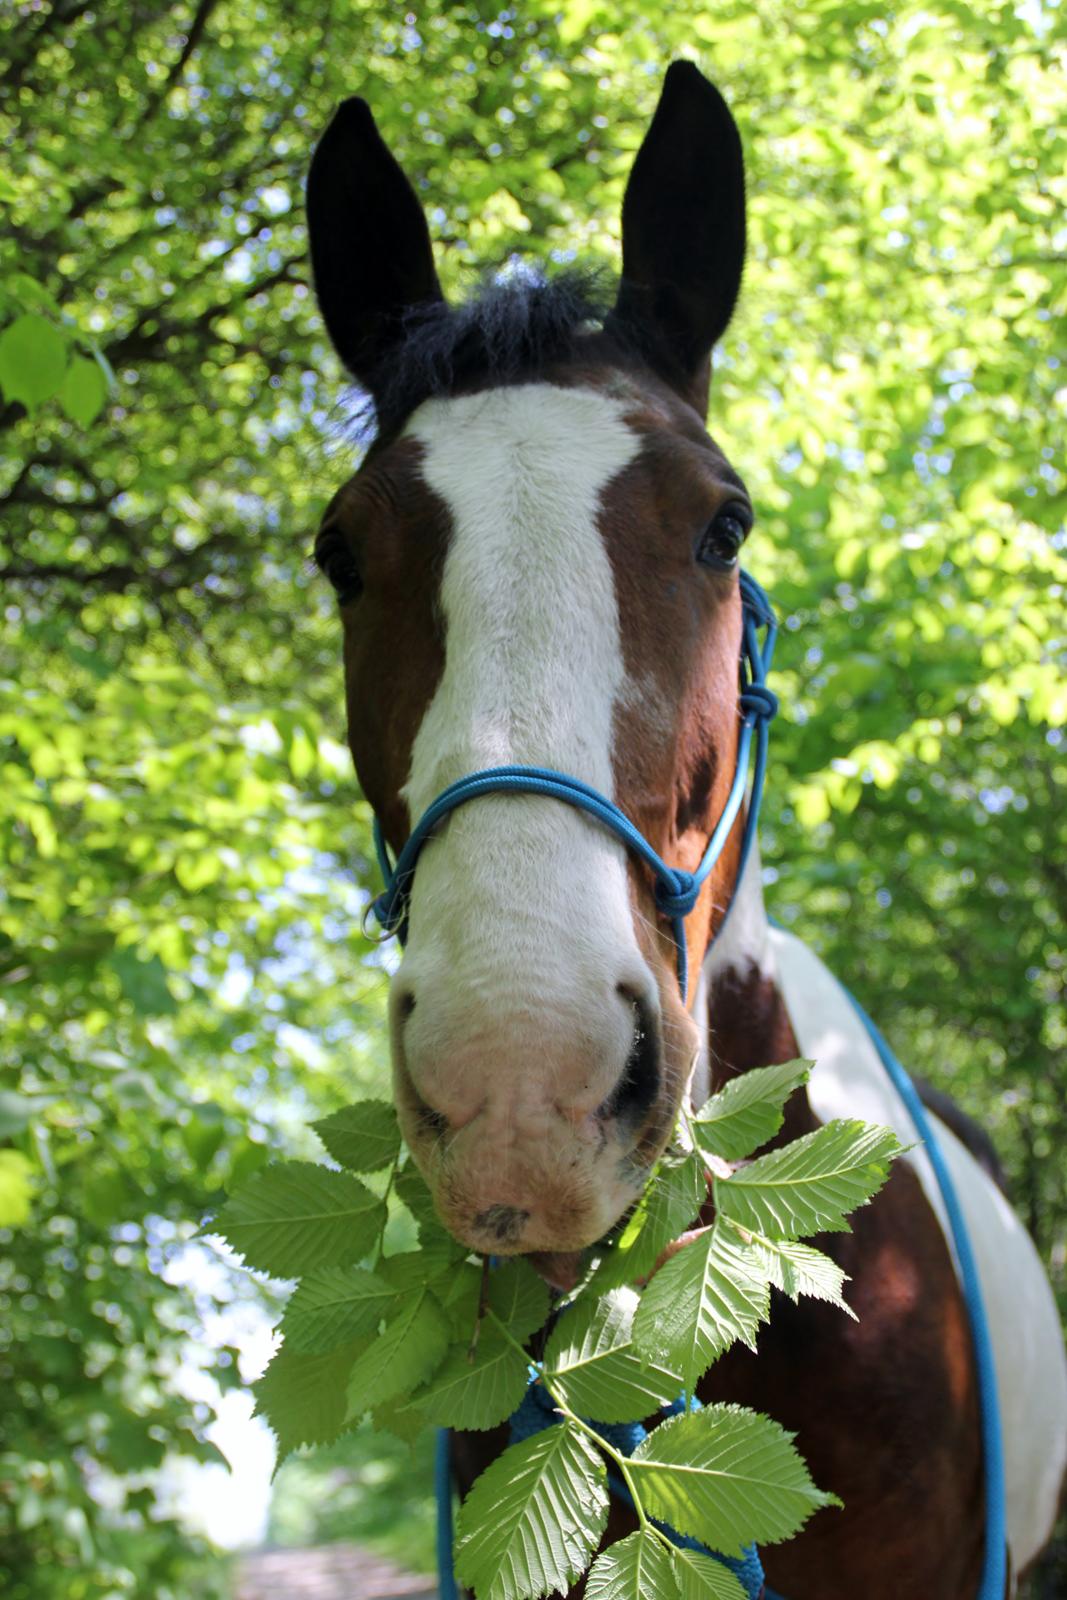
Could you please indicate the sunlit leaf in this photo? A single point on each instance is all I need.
(592, 1362)
(705, 1297)
(362, 1137)
(533, 1518)
(295, 1216)
(726, 1477)
(811, 1184)
(748, 1111)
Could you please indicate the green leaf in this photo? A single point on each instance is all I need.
(638, 1567)
(478, 1392)
(410, 1186)
(799, 1269)
(334, 1305)
(33, 359)
(701, 1577)
(295, 1216)
(592, 1363)
(725, 1476)
(748, 1111)
(519, 1298)
(16, 1188)
(408, 1272)
(811, 1184)
(533, 1518)
(303, 1396)
(362, 1137)
(403, 1356)
(458, 1291)
(700, 1301)
(83, 391)
(403, 1418)
(669, 1206)
(144, 983)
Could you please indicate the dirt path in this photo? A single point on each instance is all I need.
(328, 1572)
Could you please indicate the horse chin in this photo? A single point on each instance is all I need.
(561, 1269)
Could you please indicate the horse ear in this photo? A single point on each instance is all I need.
(683, 232)
(371, 255)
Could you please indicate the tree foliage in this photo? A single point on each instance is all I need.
(185, 852)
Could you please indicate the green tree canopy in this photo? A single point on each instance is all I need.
(182, 974)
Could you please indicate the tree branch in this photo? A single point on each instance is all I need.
(200, 21)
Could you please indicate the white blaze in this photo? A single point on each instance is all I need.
(524, 897)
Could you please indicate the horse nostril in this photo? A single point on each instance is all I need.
(639, 1084)
(502, 1223)
(405, 1005)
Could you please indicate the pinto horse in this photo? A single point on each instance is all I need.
(537, 565)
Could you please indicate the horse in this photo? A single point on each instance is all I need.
(536, 565)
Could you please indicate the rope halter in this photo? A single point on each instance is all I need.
(676, 891)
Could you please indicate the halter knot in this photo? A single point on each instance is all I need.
(758, 701)
(677, 895)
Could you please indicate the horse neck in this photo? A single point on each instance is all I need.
(739, 1008)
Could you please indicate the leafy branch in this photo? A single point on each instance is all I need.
(427, 1337)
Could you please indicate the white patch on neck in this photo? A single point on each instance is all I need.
(526, 895)
(744, 941)
(743, 945)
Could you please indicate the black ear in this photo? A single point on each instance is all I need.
(683, 232)
(370, 247)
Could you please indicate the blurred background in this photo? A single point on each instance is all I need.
(183, 982)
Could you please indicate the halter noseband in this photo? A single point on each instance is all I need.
(676, 890)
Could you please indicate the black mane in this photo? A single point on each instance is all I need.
(510, 328)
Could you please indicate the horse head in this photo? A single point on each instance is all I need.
(536, 565)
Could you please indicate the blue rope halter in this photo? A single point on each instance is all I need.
(676, 891)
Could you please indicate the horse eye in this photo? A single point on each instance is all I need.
(337, 563)
(723, 537)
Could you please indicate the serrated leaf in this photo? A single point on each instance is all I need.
(811, 1184)
(701, 1577)
(700, 1301)
(638, 1567)
(303, 1396)
(441, 1250)
(410, 1186)
(478, 1392)
(519, 1297)
(727, 1477)
(294, 1216)
(533, 1518)
(591, 1361)
(408, 1270)
(670, 1205)
(404, 1355)
(333, 1305)
(363, 1137)
(799, 1269)
(748, 1111)
(458, 1292)
(402, 1418)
